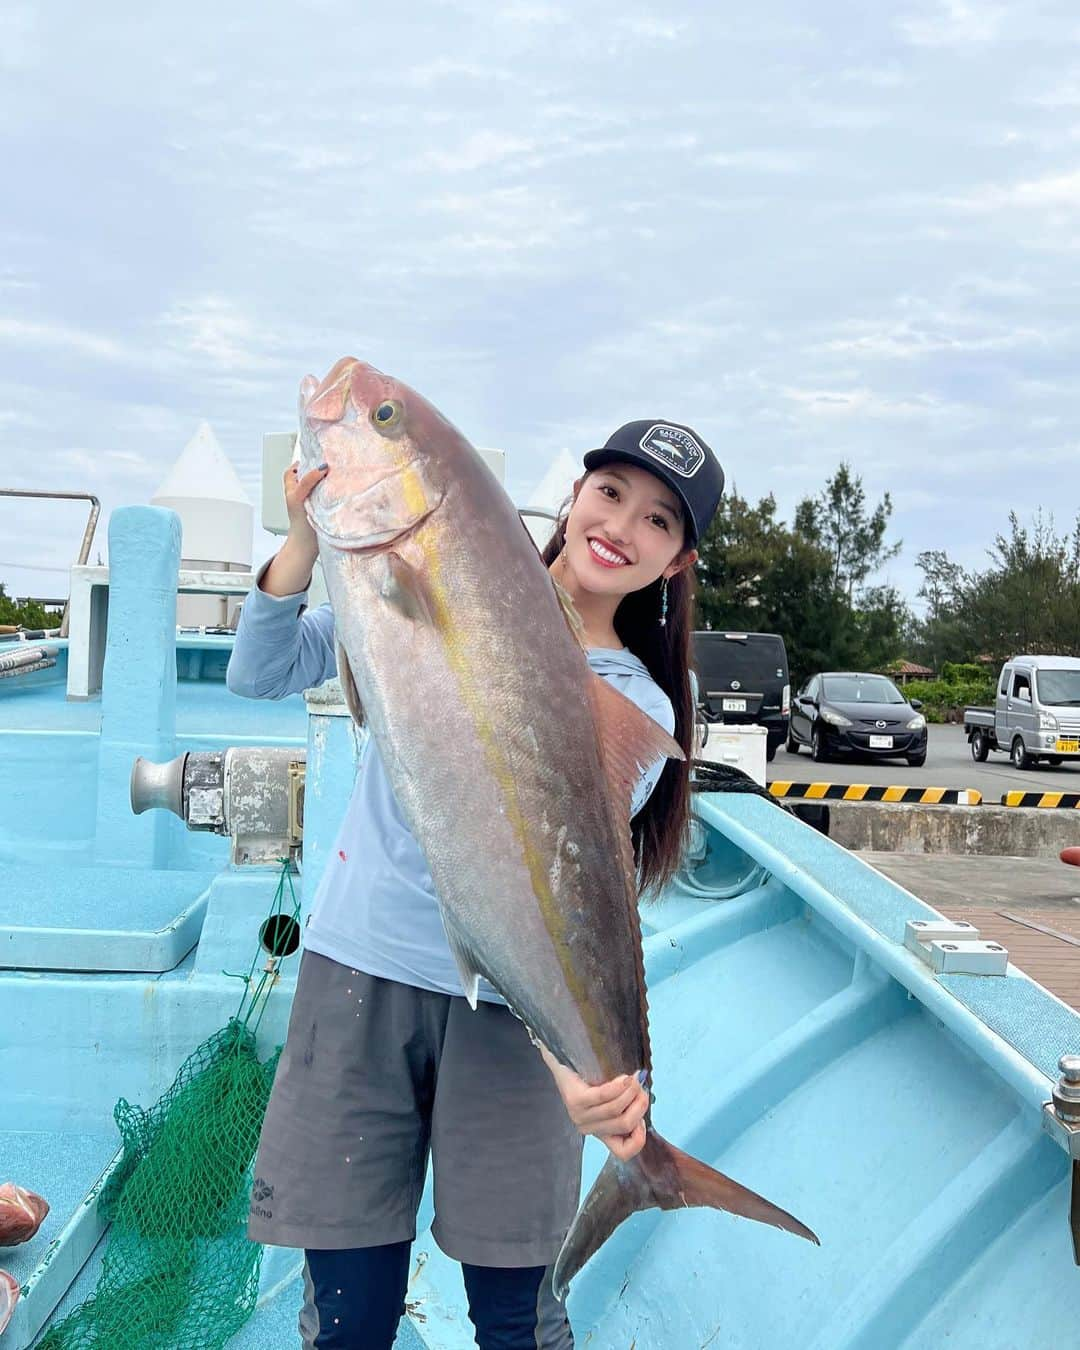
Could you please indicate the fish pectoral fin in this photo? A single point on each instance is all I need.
(630, 741)
(406, 589)
(465, 962)
(574, 620)
(348, 686)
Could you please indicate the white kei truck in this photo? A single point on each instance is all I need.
(1036, 713)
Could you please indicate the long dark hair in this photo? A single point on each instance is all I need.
(659, 830)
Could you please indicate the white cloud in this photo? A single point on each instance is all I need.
(861, 403)
(906, 340)
(953, 23)
(20, 40)
(762, 161)
(526, 13)
(878, 77)
(211, 327)
(443, 68)
(478, 151)
(91, 464)
(14, 281)
(1064, 92)
(45, 333)
(653, 28)
(1058, 190)
(814, 240)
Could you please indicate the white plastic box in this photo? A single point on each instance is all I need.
(743, 747)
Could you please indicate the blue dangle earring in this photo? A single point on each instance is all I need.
(663, 604)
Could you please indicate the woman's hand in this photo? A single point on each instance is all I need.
(297, 491)
(614, 1112)
(290, 571)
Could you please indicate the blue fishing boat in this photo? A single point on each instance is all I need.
(818, 1032)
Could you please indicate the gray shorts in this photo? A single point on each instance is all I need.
(374, 1074)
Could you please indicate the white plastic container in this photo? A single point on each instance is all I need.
(742, 747)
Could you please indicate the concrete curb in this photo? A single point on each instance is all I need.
(998, 830)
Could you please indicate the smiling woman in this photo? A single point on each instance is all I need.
(410, 921)
(625, 552)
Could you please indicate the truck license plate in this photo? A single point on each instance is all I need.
(1068, 747)
(734, 705)
(880, 742)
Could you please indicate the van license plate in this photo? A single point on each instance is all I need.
(734, 705)
(1068, 747)
(880, 742)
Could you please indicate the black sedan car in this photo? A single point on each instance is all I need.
(848, 713)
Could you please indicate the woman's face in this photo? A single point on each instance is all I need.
(625, 529)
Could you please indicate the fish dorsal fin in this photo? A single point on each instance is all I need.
(573, 618)
(465, 962)
(631, 742)
(348, 686)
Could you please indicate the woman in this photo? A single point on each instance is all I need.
(384, 1060)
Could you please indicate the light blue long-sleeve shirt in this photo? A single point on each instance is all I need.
(375, 908)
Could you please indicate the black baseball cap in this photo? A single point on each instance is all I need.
(676, 455)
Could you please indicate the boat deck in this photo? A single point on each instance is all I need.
(798, 1045)
(1029, 905)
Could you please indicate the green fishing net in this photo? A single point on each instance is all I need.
(179, 1272)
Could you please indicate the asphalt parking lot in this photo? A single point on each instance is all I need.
(948, 764)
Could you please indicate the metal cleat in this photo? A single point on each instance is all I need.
(1061, 1119)
(969, 958)
(920, 933)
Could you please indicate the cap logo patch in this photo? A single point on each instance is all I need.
(674, 447)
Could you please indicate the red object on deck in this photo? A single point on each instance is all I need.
(1071, 855)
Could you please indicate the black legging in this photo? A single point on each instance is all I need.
(359, 1296)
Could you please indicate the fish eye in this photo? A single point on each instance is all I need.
(387, 414)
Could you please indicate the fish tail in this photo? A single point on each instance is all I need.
(661, 1176)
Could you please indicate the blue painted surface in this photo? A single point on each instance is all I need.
(138, 693)
(798, 1046)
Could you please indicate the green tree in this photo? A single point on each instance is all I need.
(30, 615)
(838, 521)
(1028, 600)
(756, 574)
(940, 636)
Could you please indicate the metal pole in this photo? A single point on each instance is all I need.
(88, 533)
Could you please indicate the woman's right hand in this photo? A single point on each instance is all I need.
(614, 1112)
(297, 491)
(290, 570)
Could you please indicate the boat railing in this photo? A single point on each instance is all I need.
(88, 533)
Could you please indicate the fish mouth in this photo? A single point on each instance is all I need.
(597, 542)
(324, 520)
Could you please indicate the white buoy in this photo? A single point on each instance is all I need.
(216, 515)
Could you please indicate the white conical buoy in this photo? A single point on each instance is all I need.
(216, 515)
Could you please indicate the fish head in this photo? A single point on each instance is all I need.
(375, 435)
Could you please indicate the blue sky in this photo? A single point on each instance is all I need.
(814, 232)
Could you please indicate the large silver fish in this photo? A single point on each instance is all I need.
(512, 761)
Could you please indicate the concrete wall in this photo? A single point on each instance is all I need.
(1000, 830)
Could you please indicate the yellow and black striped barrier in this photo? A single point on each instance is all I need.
(1067, 800)
(872, 792)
